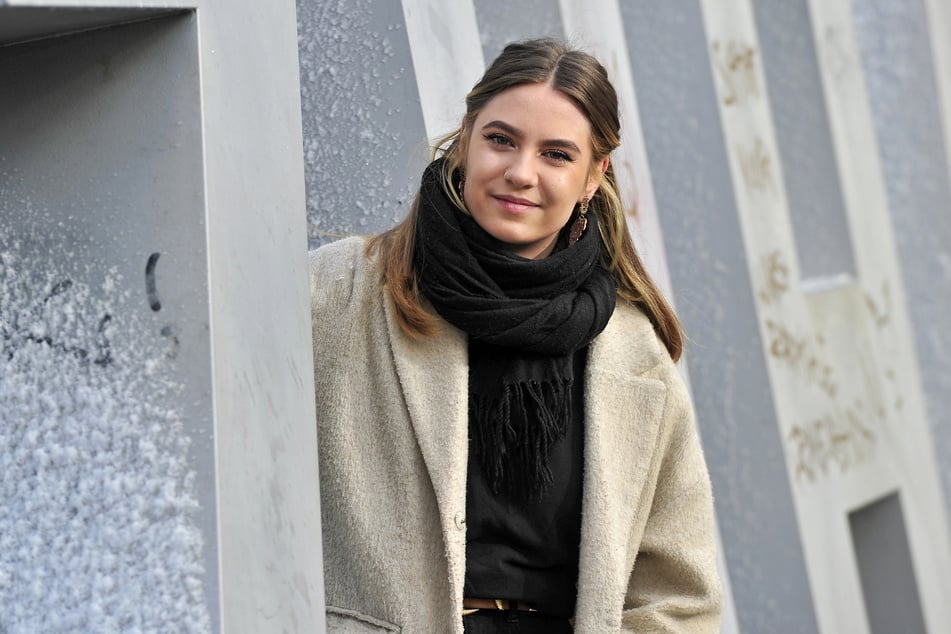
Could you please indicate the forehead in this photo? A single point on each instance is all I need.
(538, 110)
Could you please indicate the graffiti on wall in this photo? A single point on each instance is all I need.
(756, 168)
(735, 63)
(803, 355)
(99, 499)
(838, 433)
(841, 436)
(20, 328)
(881, 313)
(776, 277)
(839, 439)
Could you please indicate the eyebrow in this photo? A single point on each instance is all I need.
(515, 132)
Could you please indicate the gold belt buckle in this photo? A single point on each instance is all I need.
(500, 604)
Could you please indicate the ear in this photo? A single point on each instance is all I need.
(594, 178)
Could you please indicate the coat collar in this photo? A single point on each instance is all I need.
(622, 416)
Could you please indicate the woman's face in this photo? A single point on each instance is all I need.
(528, 163)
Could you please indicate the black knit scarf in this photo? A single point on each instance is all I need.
(524, 319)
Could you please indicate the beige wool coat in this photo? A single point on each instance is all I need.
(392, 423)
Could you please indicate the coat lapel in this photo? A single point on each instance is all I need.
(433, 374)
(623, 412)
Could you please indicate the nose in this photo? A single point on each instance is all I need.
(521, 171)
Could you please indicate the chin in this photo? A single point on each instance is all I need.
(511, 239)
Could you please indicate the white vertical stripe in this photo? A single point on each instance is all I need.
(447, 58)
(939, 26)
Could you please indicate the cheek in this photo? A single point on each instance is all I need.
(480, 172)
(569, 189)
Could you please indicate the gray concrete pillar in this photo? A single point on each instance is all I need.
(157, 441)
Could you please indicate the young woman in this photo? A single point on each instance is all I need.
(505, 443)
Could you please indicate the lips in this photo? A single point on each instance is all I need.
(514, 204)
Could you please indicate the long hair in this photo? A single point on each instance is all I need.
(584, 80)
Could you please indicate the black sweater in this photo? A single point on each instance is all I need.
(528, 551)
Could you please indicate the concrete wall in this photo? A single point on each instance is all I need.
(157, 435)
(101, 141)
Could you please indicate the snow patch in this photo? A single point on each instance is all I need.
(98, 507)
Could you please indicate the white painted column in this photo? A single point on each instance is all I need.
(939, 26)
(447, 56)
(265, 422)
(244, 314)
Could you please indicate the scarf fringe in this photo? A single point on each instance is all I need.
(515, 433)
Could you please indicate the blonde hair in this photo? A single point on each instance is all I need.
(584, 80)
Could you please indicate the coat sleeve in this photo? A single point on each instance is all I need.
(674, 585)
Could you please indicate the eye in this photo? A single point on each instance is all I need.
(494, 138)
(559, 156)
